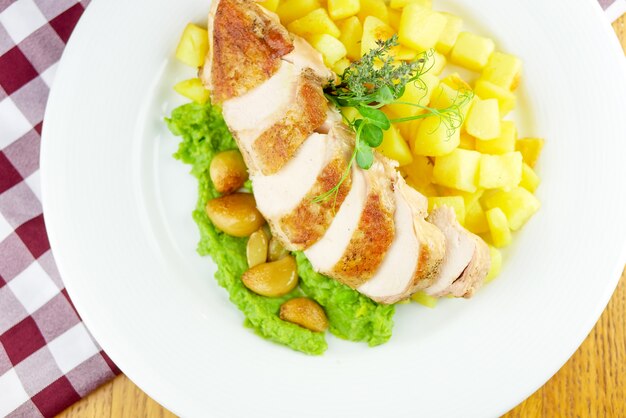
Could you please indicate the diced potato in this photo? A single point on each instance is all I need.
(428, 189)
(290, 10)
(395, 147)
(467, 142)
(375, 30)
(455, 202)
(530, 149)
(408, 129)
(316, 22)
(496, 264)
(475, 219)
(450, 33)
(193, 89)
(193, 46)
(458, 170)
(445, 96)
(468, 197)
(420, 27)
(530, 179)
(500, 171)
(331, 48)
(434, 138)
(506, 99)
(351, 114)
(419, 93)
(270, 5)
(455, 81)
(472, 51)
(394, 17)
(341, 65)
(502, 144)
(499, 227)
(425, 299)
(435, 63)
(376, 8)
(503, 70)
(420, 171)
(483, 119)
(400, 4)
(340, 9)
(518, 204)
(351, 34)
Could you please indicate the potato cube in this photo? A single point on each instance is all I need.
(420, 171)
(425, 299)
(340, 9)
(428, 189)
(270, 5)
(518, 204)
(341, 65)
(316, 22)
(468, 197)
(506, 99)
(467, 142)
(434, 139)
(193, 89)
(530, 179)
(496, 264)
(455, 81)
(435, 63)
(290, 10)
(502, 144)
(351, 34)
(193, 46)
(331, 48)
(394, 17)
(419, 93)
(407, 129)
(376, 8)
(483, 119)
(472, 51)
(454, 202)
(475, 219)
(420, 27)
(530, 149)
(503, 70)
(400, 4)
(395, 147)
(450, 33)
(458, 170)
(351, 114)
(375, 30)
(445, 96)
(499, 227)
(500, 171)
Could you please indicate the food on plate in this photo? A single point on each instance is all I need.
(344, 166)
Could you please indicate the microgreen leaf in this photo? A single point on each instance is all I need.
(372, 135)
(364, 156)
(374, 116)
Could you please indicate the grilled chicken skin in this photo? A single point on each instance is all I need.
(372, 234)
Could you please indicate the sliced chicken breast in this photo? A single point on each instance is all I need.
(289, 198)
(415, 255)
(245, 48)
(463, 249)
(305, 56)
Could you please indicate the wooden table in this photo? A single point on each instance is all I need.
(591, 384)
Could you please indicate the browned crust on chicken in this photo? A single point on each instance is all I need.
(276, 146)
(474, 274)
(246, 50)
(308, 222)
(369, 244)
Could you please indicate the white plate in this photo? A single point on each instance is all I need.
(118, 210)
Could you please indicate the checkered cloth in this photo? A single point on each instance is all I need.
(48, 360)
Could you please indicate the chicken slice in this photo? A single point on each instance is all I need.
(415, 255)
(359, 260)
(287, 199)
(305, 56)
(466, 261)
(245, 48)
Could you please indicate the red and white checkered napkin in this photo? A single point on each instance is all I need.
(48, 360)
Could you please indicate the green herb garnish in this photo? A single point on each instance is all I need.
(374, 81)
